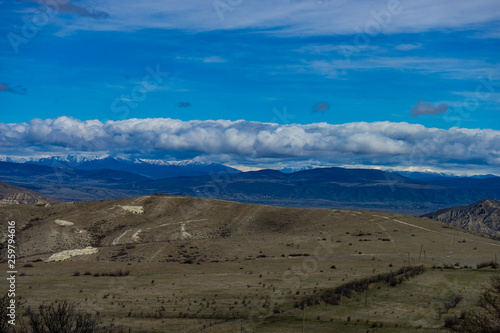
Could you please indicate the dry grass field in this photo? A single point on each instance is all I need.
(180, 264)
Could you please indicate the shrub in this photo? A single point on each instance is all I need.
(487, 319)
(332, 296)
(451, 321)
(492, 264)
(453, 301)
(63, 317)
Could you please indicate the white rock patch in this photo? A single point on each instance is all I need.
(63, 223)
(184, 234)
(63, 255)
(135, 236)
(117, 239)
(133, 209)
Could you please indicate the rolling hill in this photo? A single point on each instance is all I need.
(164, 221)
(10, 194)
(196, 265)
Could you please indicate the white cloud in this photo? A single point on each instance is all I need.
(408, 47)
(210, 59)
(445, 67)
(245, 142)
(296, 18)
(340, 48)
(214, 59)
(326, 68)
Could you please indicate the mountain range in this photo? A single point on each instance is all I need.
(77, 179)
(155, 169)
(333, 188)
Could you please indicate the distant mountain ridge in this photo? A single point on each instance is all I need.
(110, 178)
(296, 169)
(70, 184)
(328, 187)
(47, 159)
(482, 216)
(432, 176)
(151, 168)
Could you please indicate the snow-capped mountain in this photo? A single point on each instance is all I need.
(432, 175)
(49, 159)
(155, 169)
(296, 169)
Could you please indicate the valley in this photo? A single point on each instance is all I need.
(331, 188)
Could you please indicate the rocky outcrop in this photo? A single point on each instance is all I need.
(482, 216)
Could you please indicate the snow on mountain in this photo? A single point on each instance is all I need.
(296, 169)
(153, 168)
(46, 159)
(176, 163)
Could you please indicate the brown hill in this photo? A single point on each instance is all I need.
(10, 194)
(163, 228)
(482, 216)
(203, 265)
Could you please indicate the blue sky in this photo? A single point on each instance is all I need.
(289, 62)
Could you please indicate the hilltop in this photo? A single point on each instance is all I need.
(158, 228)
(10, 194)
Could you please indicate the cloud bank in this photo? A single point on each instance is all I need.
(383, 143)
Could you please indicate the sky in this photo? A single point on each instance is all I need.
(389, 84)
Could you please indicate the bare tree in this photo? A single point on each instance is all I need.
(487, 319)
(63, 317)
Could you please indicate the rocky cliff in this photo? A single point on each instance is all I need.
(482, 216)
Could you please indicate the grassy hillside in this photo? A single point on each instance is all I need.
(208, 265)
